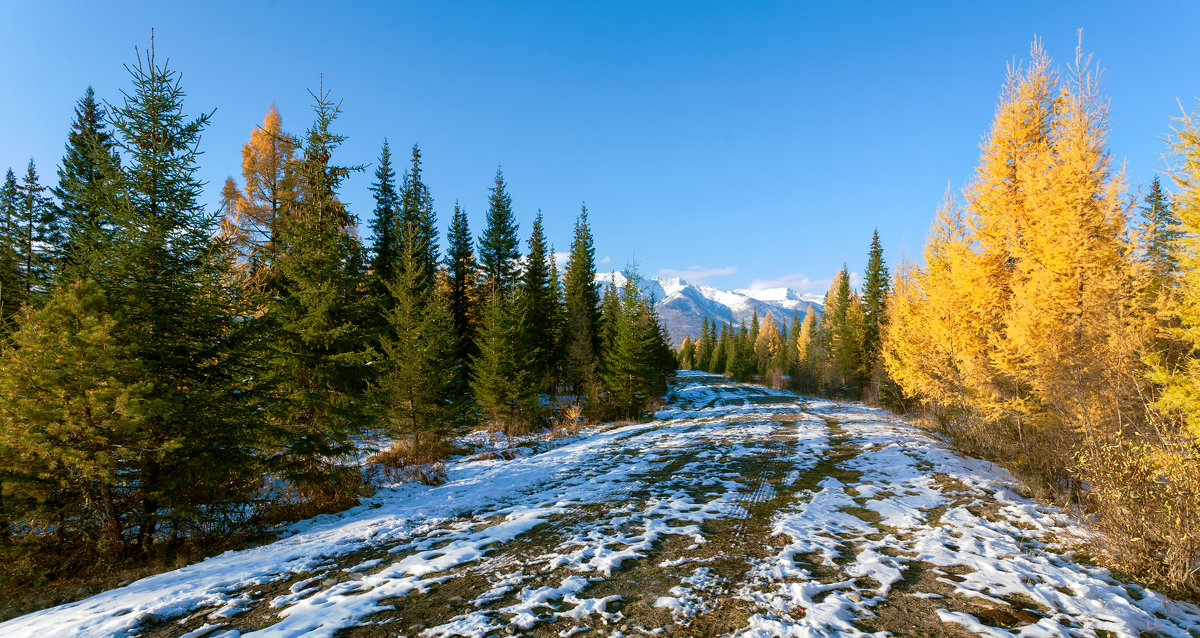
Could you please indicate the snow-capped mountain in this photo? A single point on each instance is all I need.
(683, 305)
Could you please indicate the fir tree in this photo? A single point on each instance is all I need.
(88, 165)
(499, 247)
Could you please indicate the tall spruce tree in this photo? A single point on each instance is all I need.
(165, 281)
(875, 293)
(385, 224)
(502, 372)
(539, 295)
(89, 164)
(499, 248)
(35, 229)
(581, 329)
(11, 293)
(463, 295)
(417, 392)
(320, 349)
(418, 220)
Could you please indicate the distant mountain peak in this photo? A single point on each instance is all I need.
(684, 305)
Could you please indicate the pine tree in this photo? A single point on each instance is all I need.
(89, 163)
(581, 330)
(499, 247)
(77, 422)
(319, 347)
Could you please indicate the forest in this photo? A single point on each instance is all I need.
(176, 377)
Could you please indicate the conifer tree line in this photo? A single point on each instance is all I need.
(836, 353)
(172, 372)
(1053, 323)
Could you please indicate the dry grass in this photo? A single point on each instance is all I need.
(413, 460)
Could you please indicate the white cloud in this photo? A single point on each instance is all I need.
(795, 281)
(801, 283)
(696, 273)
(604, 260)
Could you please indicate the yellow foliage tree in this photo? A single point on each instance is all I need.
(251, 221)
(1181, 386)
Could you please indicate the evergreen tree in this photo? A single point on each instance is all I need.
(499, 247)
(463, 295)
(610, 314)
(581, 330)
(385, 224)
(633, 371)
(77, 421)
(165, 282)
(503, 381)
(36, 235)
(11, 292)
(417, 393)
(418, 222)
(88, 165)
(539, 295)
(1159, 235)
(319, 347)
(702, 358)
(875, 292)
(721, 353)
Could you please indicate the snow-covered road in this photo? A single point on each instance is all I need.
(737, 511)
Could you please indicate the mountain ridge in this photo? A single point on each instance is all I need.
(683, 305)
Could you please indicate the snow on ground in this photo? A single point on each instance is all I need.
(737, 511)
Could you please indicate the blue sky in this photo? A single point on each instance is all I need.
(740, 143)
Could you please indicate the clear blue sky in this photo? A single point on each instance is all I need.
(748, 142)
